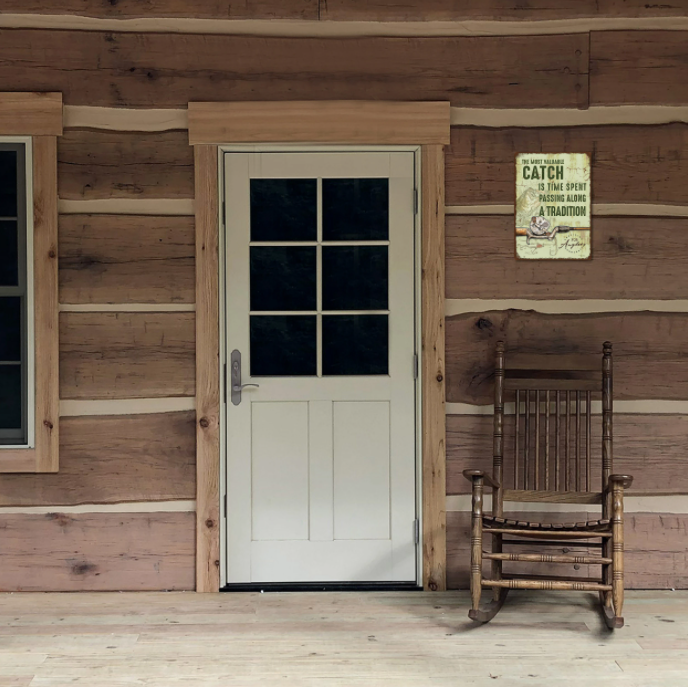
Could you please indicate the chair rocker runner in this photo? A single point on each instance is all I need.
(551, 450)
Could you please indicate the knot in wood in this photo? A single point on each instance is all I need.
(48, 424)
(432, 586)
(51, 253)
(210, 523)
(483, 323)
(204, 422)
(216, 563)
(439, 377)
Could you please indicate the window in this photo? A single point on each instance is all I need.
(29, 391)
(16, 306)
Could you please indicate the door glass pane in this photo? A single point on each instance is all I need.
(355, 344)
(8, 183)
(284, 209)
(355, 209)
(10, 397)
(283, 345)
(9, 257)
(355, 277)
(10, 329)
(283, 278)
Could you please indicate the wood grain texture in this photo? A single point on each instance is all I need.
(636, 258)
(46, 328)
(31, 114)
(207, 372)
(638, 67)
(630, 164)
(126, 355)
(44, 457)
(169, 70)
(107, 164)
(126, 259)
(648, 349)
(113, 459)
(433, 368)
(351, 122)
(200, 9)
(97, 552)
(655, 552)
(649, 447)
(450, 10)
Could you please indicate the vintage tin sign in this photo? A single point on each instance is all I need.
(553, 206)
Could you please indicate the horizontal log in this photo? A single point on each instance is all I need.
(199, 9)
(630, 164)
(114, 459)
(655, 554)
(649, 355)
(108, 164)
(649, 447)
(638, 67)
(126, 355)
(126, 259)
(450, 10)
(169, 70)
(633, 258)
(97, 552)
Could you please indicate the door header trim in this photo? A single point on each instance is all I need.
(335, 121)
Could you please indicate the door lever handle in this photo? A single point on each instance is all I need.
(239, 387)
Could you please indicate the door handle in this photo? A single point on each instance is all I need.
(236, 386)
(240, 387)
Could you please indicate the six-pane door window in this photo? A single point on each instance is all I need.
(14, 382)
(319, 277)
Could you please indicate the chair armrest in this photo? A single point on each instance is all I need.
(624, 481)
(470, 475)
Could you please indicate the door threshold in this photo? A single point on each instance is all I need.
(323, 587)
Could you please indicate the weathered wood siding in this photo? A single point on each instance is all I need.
(97, 552)
(127, 243)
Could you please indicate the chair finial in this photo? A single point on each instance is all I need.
(607, 348)
(500, 346)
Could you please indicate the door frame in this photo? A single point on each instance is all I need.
(222, 305)
(216, 126)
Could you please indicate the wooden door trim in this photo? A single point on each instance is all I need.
(371, 123)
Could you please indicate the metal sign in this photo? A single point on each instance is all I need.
(553, 206)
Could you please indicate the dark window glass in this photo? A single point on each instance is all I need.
(355, 345)
(284, 210)
(355, 277)
(283, 345)
(9, 256)
(283, 278)
(355, 209)
(10, 398)
(10, 328)
(8, 183)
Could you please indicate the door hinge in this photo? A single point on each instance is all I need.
(415, 201)
(224, 500)
(416, 531)
(415, 365)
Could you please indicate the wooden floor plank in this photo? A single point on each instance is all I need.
(411, 639)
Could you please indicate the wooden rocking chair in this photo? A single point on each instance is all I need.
(552, 463)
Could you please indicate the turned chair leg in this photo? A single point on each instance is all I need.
(617, 551)
(476, 546)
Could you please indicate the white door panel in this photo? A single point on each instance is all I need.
(320, 303)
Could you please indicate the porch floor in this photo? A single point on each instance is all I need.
(338, 640)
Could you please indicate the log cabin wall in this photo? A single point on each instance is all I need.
(605, 77)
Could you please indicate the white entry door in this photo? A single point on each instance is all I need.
(321, 367)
